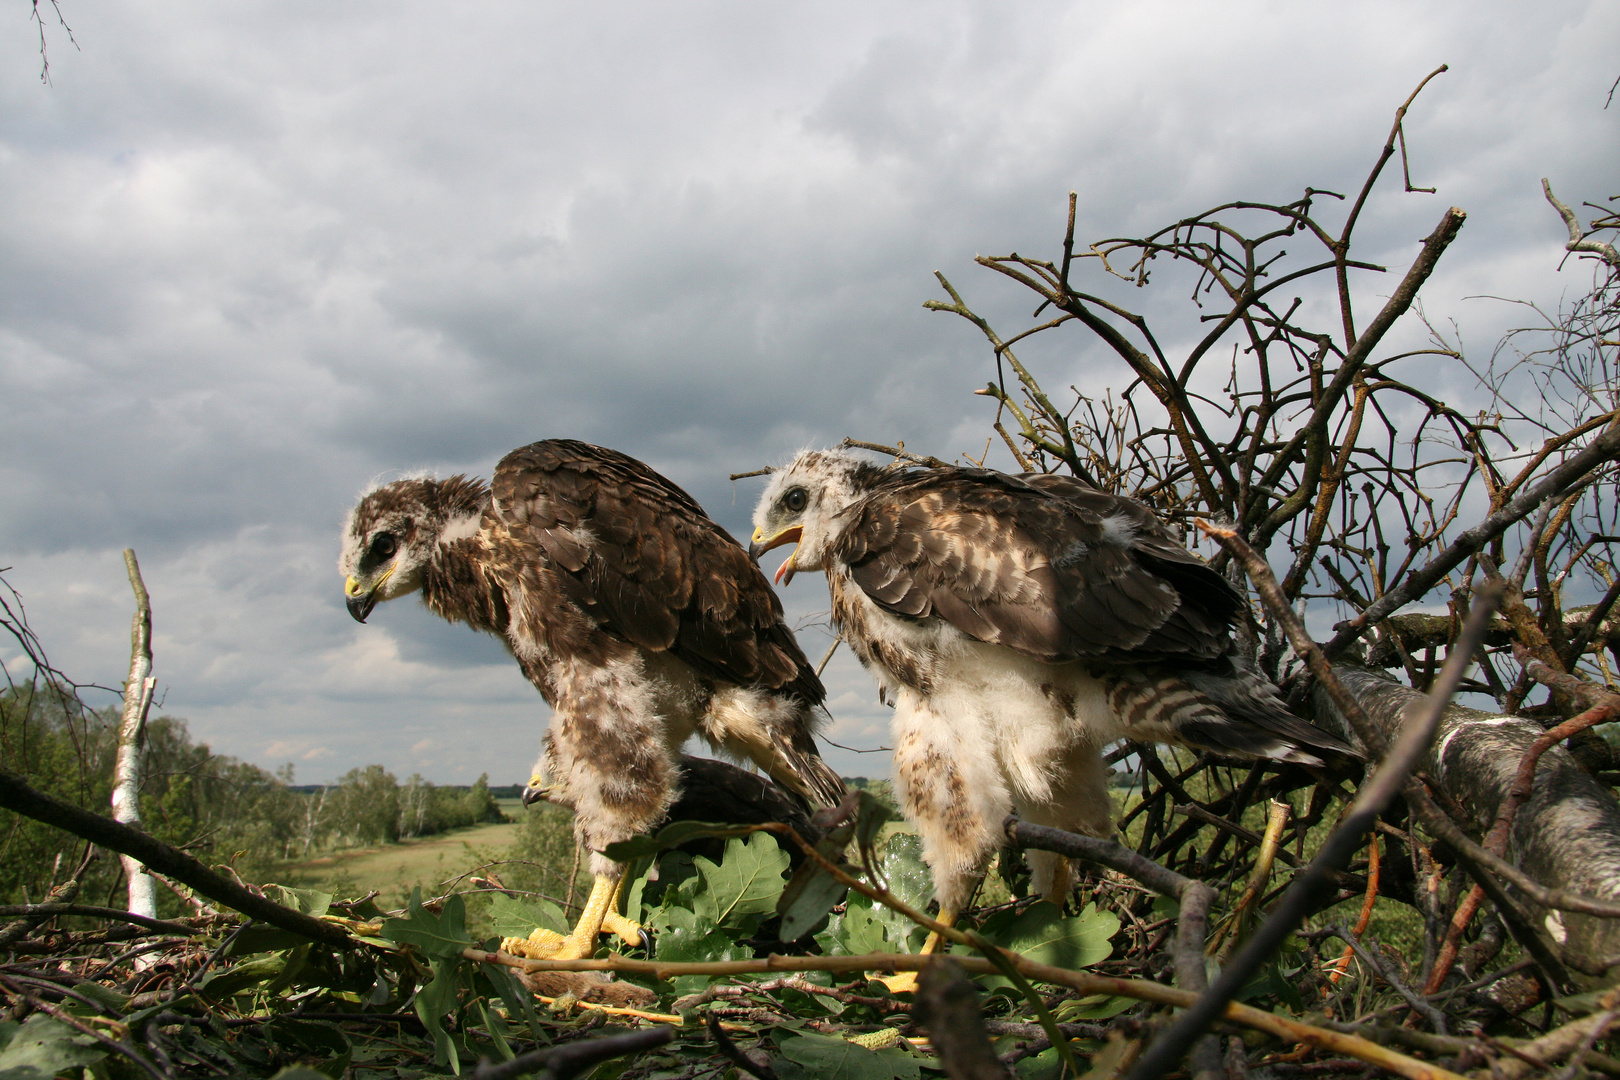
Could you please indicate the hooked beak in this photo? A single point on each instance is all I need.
(361, 600)
(535, 791)
(761, 544)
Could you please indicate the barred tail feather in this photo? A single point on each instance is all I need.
(1236, 714)
(813, 777)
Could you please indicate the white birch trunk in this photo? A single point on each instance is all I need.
(131, 760)
(1566, 836)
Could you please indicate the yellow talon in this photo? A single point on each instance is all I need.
(600, 914)
(905, 982)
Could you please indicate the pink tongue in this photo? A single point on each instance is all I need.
(783, 569)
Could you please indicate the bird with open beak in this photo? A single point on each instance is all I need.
(1020, 624)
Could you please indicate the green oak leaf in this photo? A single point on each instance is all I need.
(444, 934)
(516, 918)
(434, 1001)
(870, 817)
(681, 935)
(810, 894)
(826, 1057)
(219, 985)
(907, 874)
(745, 883)
(1094, 1007)
(311, 902)
(1044, 934)
(910, 881)
(43, 1047)
(857, 932)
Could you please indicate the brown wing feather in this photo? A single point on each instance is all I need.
(641, 558)
(1042, 564)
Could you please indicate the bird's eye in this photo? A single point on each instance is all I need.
(384, 546)
(796, 500)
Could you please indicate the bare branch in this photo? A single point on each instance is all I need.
(1578, 238)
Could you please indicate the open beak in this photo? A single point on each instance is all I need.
(360, 600)
(760, 544)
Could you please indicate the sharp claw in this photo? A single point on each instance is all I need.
(646, 940)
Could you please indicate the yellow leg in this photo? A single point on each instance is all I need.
(905, 982)
(614, 923)
(599, 913)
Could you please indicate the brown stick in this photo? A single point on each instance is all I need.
(50, 910)
(1282, 1027)
(1109, 853)
(17, 796)
(948, 1006)
(1597, 452)
(1301, 895)
(1367, 902)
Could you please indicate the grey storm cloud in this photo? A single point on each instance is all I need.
(259, 255)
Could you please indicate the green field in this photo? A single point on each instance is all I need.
(393, 869)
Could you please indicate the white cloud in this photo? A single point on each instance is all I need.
(258, 255)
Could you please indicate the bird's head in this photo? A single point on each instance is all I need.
(803, 503)
(391, 535)
(541, 785)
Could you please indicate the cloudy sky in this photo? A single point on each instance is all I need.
(256, 254)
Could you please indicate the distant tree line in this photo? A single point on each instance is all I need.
(219, 808)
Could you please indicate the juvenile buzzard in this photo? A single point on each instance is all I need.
(1019, 624)
(638, 619)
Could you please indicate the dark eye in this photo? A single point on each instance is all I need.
(384, 546)
(796, 500)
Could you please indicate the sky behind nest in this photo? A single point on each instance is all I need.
(259, 255)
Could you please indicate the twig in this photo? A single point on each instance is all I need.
(618, 1010)
(65, 893)
(1365, 915)
(1566, 476)
(1578, 240)
(1085, 982)
(49, 910)
(571, 1059)
(1276, 821)
(17, 796)
(948, 1006)
(1557, 1043)
(1376, 964)
(1192, 924)
(789, 982)
(1248, 836)
(1586, 694)
(1479, 864)
(1604, 1021)
(760, 1070)
(1109, 853)
(899, 453)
